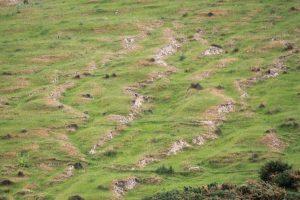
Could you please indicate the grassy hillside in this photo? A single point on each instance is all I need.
(107, 85)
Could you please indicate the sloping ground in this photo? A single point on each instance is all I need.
(96, 95)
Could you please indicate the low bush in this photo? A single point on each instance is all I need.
(271, 169)
(164, 170)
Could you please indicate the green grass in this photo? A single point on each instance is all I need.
(55, 39)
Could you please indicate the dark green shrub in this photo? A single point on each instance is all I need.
(271, 169)
(164, 170)
(286, 180)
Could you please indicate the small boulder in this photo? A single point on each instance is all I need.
(152, 60)
(196, 86)
(210, 14)
(72, 127)
(20, 174)
(87, 95)
(78, 165)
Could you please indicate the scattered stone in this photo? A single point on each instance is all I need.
(179, 145)
(72, 127)
(89, 96)
(78, 165)
(226, 108)
(129, 42)
(213, 50)
(273, 142)
(121, 186)
(147, 160)
(75, 197)
(6, 182)
(201, 139)
(20, 174)
(194, 169)
(196, 86)
(6, 137)
(210, 14)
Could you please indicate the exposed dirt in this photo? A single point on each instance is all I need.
(9, 2)
(54, 99)
(119, 187)
(213, 50)
(178, 146)
(213, 118)
(146, 160)
(69, 172)
(198, 36)
(273, 142)
(274, 70)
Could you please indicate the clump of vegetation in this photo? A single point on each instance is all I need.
(252, 190)
(102, 187)
(110, 153)
(279, 173)
(24, 159)
(164, 170)
(182, 57)
(290, 123)
(271, 169)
